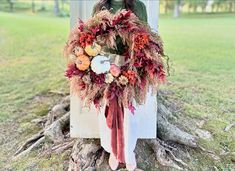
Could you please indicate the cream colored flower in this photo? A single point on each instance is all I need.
(123, 80)
(72, 57)
(109, 78)
(86, 79)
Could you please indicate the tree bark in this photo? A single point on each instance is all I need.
(43, 8)
(166, 6)
(87, 154)
(177, 9)
(33, 6)
(195, 8)
(231, 6)
(56, 7)
(11, 5)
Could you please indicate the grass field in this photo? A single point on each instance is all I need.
(31, 65)
(201, 49)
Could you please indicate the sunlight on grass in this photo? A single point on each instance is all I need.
(31, 58)
(201, 49)
(203, 78)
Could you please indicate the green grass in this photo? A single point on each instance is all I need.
(31, 63)
(31, 58)
(201, 48)
(44, 7)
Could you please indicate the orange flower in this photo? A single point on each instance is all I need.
(86, 39)
(140, 41)
(131, 75)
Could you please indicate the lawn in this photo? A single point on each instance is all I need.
(31, 65)
(201, 49)
(31, 58)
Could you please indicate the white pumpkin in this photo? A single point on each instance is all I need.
(100, 64)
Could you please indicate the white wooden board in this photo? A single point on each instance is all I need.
(83, 121)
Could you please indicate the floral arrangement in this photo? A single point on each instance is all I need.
(97, 75)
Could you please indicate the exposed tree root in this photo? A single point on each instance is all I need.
(167, 131)
(30, 148)
(164, 156)
(60, 148)
(53, 132)
(87, 154)
(29, 142)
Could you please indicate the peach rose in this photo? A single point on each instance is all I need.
(115, 70)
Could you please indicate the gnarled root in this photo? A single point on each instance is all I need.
(54, 132)
(87, 154)
(165, 156)
(167, 131)
(56, 125)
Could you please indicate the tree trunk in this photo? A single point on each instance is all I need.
(195, 8)
(33, 6)
(166, 6)
(62, 4)
(87, 154)
(189, 7)
(43, 8)
(177, 9)
(56, 7)
(217, 7)
(231, 6)
(11, 5)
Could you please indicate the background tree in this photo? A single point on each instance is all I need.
(229, 5)
(33, 6)
(216, 5)
(194, 4)
(177, 8)
(169, 5)
(56, 7)
(11, 5)
(43, 7)
(62, 4)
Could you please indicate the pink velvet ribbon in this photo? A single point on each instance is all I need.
(114, 114)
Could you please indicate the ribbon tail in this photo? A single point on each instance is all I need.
(114, 114)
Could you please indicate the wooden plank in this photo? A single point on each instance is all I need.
(152, 7)
(82, 121)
